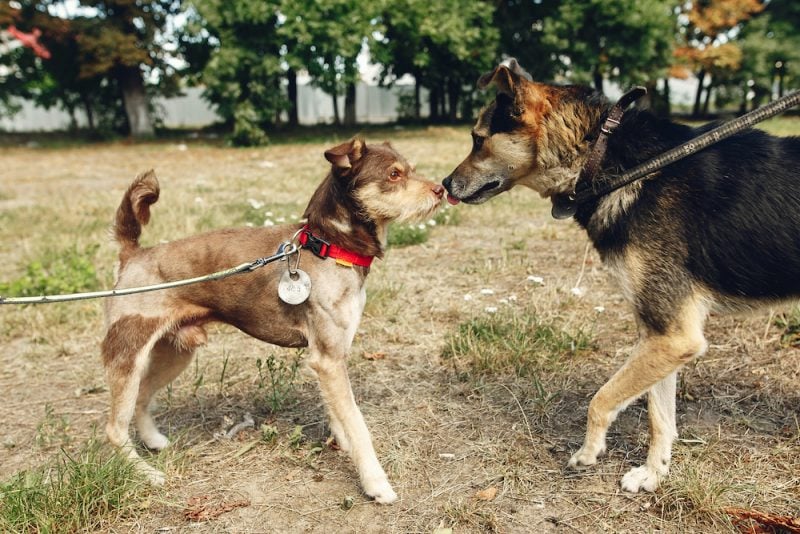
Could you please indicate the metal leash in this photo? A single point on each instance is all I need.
(286, 249)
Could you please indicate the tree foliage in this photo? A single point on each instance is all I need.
(109, 57)
(707, 44)
(243, 69)
(101, 51)
(621, 40)
(445, 45)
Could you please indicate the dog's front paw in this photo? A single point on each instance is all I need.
(153, 475)
(156, 441)
(585, 456)
(380, 490)
(642, 478)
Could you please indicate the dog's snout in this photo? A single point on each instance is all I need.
(447, 182)
(438, 190)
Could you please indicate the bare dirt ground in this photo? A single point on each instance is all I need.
(447, 434)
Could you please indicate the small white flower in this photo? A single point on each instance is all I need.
(281, 219)
(577, 291)
(490, 309)
(267, 214)
(294, 217)
(503, 301)
(487, 291)
(467, 297)
(599, 309)
(182, 147)
(432, 222)
(421, 227)
(536, 280)
(266, 164)
(268, 222)
(255, 204)
(249, 224)
(198, 200)
(512, 298)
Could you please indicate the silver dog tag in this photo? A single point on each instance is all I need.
(294, 287)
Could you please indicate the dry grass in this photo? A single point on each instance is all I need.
(446, 425)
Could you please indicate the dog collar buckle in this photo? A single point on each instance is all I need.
(318, 246)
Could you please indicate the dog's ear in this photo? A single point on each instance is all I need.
(343, 156)
(506, 77)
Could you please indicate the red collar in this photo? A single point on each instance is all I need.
(323, 249)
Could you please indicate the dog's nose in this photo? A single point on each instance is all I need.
(438, 190)
(447, 181)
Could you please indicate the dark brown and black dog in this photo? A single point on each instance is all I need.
(717, 231)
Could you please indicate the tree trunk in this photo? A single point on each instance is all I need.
(336, 120)
(350, 105)
(433, 97)
(743, 103)
(597, 76)
(73, 120)
(276, 87)
(294, 116)
(707, 99)
(453, 91)
(87, 106)
(701, 78)
(417, 99)
(135, 100)
(667, 99)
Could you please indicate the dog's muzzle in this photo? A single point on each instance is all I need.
(456, 194)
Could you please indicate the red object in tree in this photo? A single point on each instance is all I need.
(30, 40)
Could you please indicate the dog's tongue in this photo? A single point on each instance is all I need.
(452, 200)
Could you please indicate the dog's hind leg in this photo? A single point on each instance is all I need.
(652, 367)
(126, 353)
(168, 359)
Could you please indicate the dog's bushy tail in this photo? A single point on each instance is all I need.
(134, 211)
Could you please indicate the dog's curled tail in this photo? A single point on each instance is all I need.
(134, 211)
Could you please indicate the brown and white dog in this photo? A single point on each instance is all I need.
(151, 337)
(716, 231)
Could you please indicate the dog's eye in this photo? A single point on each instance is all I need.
(395, 175)
(477, 142)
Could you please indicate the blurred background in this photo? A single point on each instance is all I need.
(248, 69)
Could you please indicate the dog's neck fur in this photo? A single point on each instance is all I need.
(334, 215)
(565, 141)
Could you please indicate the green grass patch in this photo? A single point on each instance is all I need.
(278, 378)
(783, 126)
(56, 272)
(382, 300)
(80, 492)
(519, 343)
(405, 235)
(790, 324)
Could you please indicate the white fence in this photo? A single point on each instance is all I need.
(373, 105)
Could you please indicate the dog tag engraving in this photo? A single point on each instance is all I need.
(294, 287)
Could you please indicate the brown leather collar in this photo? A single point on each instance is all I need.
(565, 205)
